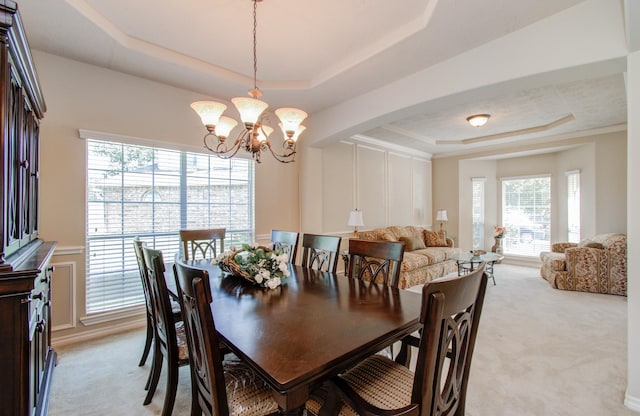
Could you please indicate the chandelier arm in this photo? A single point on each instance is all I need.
(221, 149)
(284, 158)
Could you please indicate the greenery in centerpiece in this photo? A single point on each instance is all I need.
(258, 264)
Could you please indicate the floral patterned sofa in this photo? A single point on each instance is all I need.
(597, 265)
(426, 254)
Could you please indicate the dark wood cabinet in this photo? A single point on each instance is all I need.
(26, 357)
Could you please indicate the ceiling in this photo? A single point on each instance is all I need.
(316, 55)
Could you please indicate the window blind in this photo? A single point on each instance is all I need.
(477, 212)
(573, 206)
(526, 214)
(151, 193)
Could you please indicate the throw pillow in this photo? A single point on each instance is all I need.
(590, 244)
(412, 243)
(434, 239)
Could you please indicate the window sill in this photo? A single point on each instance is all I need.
(115, 315)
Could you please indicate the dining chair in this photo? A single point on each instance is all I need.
(213, 393)
(175, 307)
(142, 269)
(320, 252)
(449, 318)
(206, 243)
(287, 241)
(170, 338)
(376, 260)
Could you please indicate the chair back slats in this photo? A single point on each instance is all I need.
(204, 244)
(320, 252)
(142, 267)
(451, 310)
(376, 261)
(208, 381)
(287, 241)
(162, 313)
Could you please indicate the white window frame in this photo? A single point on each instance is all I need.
(121, 287)
(528, 220)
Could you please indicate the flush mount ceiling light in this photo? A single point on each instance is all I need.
(478, 120)
(254, 137)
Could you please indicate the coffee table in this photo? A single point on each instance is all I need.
(467, 261)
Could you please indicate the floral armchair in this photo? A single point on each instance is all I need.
(596, 265)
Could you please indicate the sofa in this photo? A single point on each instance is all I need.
(597, 264)
(426, 255)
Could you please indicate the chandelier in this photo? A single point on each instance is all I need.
(254, 138)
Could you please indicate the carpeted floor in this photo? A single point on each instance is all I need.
(540, 351)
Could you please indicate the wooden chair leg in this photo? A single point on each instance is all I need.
(151, 370)
(148, 342)
(156, 368)
(195, 404)
(172, 387)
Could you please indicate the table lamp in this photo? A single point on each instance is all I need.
(355, 220)
(442, 217)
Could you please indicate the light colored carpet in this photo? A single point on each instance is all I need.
(539, 351)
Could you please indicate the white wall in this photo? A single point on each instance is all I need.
(632, 398)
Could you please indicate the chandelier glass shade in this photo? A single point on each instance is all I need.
(254, 137)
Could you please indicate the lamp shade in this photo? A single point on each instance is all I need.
(209, 111)
(225, 125)
(291, 119)
(442, 215)
(249, 109)
(355, 219)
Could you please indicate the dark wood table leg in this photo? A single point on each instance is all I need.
(292, 402)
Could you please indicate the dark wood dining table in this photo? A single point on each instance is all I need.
(314, 326)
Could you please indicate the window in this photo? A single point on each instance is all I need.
(526, 213)
(477, 212)
(151, 193)
(573, 206)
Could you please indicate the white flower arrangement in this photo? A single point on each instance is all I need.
(258, 264)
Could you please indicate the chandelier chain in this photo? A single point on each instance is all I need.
(255, 41)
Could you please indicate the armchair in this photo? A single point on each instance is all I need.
(596, 265)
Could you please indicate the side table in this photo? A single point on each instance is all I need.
(467, 261)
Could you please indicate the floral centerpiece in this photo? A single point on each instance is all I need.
(499, 231)
(257, 264)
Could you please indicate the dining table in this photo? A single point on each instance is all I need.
(314, 326)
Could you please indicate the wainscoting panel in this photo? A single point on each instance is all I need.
(63, 288)
(338, 186)
(372, 186)
(390, 187)
(400, 185)
(422, 211)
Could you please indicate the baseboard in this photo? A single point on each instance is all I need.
(631, 402)
(61, 341)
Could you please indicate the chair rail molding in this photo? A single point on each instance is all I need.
(68, 250)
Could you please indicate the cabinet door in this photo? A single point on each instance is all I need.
(17, 394)
(30, 176)
(13, 170)
(22, 169)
